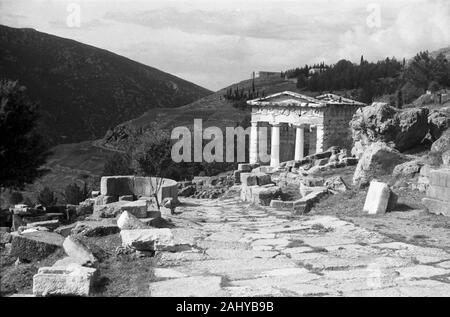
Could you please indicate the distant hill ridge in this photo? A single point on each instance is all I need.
(82, 90)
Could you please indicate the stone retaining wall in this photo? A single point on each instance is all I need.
(137, 185)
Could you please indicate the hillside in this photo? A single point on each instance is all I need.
(445, 51)
(82, 90)
(214, 110)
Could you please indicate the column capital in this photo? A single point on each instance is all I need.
(254, 123)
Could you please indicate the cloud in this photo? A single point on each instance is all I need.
(276, 23)
(418, 26)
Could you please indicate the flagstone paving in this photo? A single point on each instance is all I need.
(242, 250)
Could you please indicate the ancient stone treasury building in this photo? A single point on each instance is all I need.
(299, 125)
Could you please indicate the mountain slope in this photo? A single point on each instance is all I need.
(213, 109)
(82, 90)
(445, 51)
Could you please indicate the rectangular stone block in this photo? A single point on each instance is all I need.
(245, 167)
(103, 200)
(237, 176)
(377, 198)
(263, 179)
(440, 177)
(126, 198)
(137, 208)
(35, 245)
(148, 239)
(117, 185)
(263, 195)
(439, 192)
(72, 280)
(248, 179)
(437, 206)
(279, 204)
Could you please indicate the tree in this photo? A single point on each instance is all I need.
(118, 164)
(74, 194)
(22, 149)
(152, 157)
(47, 197)
(15, 198)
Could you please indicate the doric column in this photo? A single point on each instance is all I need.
(299, 142)
(275, 146)
(253, 155)
(319, 138)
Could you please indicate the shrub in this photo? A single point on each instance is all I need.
(47, 197)
(75, 194)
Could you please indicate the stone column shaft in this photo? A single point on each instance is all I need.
(253, 155)
(275, 146)
(299, 142)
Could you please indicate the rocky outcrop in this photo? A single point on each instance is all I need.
(442, 144)
(438, 121)
(400, 129)
(378, 159)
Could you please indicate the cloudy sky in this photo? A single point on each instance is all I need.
(215, 43)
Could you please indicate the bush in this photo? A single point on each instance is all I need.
(47, 197)
(74, 194)
(118, 164)
(15, 198)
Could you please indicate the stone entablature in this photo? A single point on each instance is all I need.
(328, 115)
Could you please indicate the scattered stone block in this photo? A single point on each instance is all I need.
(336, 183)
(103, 200)
(306, 190)
(109, 210)
(377, 199)
(321, 162)
(127, 221)
(305, 204)
(65, 230)
(49, 224)
(23, 230)
(137, 208)
(349, 161)
(263, 179)
(95, 193)
(73, 280)
(35, 245)
(75, 248)
(312, 181)
(187, 191)
(126, 198)
(437, 206)
(245, 167)
(248, 179)
(148, 239)
(279, 204)
(96, 228)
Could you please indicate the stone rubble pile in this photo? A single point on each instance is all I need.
(205, 187)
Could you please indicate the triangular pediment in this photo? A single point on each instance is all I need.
(285, 98)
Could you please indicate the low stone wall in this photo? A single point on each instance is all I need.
(139, 186)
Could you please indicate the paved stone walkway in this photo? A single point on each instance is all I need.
(234, 249)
